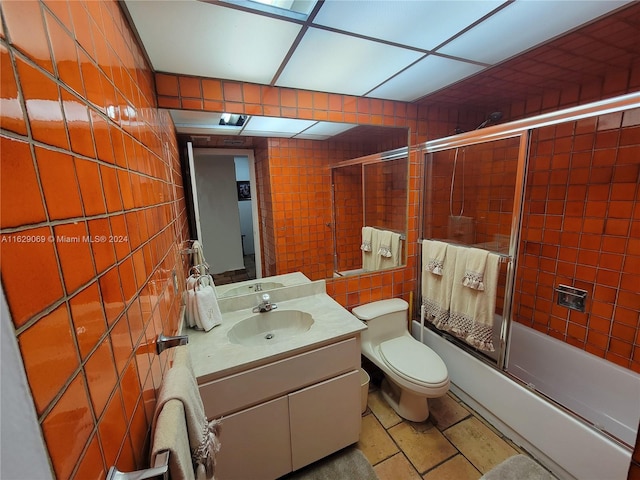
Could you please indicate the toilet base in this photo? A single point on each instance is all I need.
(405, 403)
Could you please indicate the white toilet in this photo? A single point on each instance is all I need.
(413, 372)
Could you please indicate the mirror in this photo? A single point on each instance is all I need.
(318, 147)
(369, 197)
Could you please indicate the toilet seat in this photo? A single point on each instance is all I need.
(414, 362)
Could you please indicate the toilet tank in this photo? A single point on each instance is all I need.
(385, 319)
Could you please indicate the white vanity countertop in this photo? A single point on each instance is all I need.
(214, 356)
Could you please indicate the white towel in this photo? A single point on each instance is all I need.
(437, 289)
(190, 301)
(395, 260)
(207, 311)
(384, 243)
(474, 271)
(370, 261)
(179, 384)
(198, 255)
(434, 253)
(472, 311)
(366, 239)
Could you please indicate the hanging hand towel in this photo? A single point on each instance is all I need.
(198, 255)
(190, 301)
(435, 252)
(366, 239)
(395, 259)
(207, 311)
(371, 261)
(171, 434)
(180, 384)
(474, 273)
(472, 311)
(384, 239)
(436, 289)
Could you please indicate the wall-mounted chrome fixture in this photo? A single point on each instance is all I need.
(159, 470)
(492, 118)
(162, 342)
(571, 297)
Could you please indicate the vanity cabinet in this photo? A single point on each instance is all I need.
(286, 414)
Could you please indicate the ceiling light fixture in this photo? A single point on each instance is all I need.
(232, 120)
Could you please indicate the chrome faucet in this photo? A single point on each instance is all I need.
(265, 305)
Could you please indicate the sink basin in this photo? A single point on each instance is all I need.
(251, 288)
(270, 327)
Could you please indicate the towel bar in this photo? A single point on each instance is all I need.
(159, 469)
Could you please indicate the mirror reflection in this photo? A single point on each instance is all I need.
(302, 218)
(370, 213)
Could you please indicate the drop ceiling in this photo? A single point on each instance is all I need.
(388, 49)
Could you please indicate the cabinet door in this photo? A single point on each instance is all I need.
(255, 443)
(324, 418)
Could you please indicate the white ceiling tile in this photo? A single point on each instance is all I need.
(522, 25)
(422, 24)
(199, 38)
(331, 62)
(426, 76)
(273, 126)
(329, 128)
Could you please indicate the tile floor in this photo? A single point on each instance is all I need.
(454, 443)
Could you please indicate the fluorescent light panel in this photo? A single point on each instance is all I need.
(331, 62)
(421, 24)
(212, 41)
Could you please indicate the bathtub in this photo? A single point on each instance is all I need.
(567, 445)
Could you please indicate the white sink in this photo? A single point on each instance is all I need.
(270, 327)
(251, 288)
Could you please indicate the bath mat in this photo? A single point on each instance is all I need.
(518, 467)
(348, 464)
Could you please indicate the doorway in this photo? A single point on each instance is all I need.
(223, 186)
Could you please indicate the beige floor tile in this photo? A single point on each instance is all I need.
(424, 449)
(374, 442)
(482, 447)
(381, 409)
(457, 468)
(396, 468)
(445, 411)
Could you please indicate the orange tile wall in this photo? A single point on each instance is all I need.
(385, 196)
(86, 154)
(582, 228)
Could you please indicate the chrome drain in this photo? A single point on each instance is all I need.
(268, 336)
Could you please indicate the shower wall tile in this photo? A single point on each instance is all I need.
(92, 214)
(584, 237)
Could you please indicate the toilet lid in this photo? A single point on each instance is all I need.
(414, 361)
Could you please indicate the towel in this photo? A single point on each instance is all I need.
(472, 310)
(370, 261)
(433, 259)
(205, 304)
(171, 434)
(474, 271)
(366, 239)
(384, 243)
(198, 254)
(190, 301)
(395, 260)
(437, 289)
(180, 384)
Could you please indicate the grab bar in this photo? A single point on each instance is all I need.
(159, 469)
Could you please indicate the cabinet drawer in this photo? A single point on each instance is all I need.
(235, 392)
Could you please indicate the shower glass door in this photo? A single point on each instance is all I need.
(472, 198)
